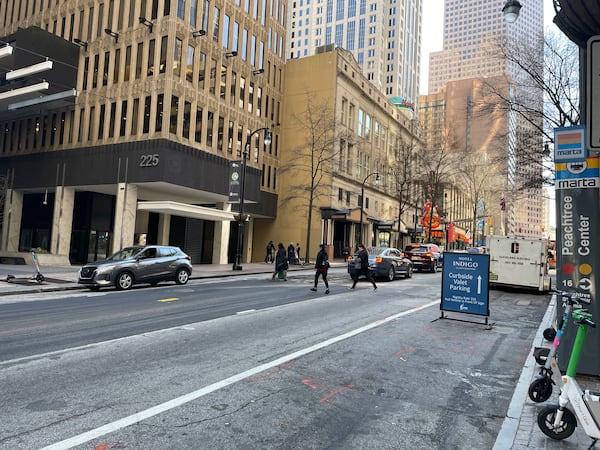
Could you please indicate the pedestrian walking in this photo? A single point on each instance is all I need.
(321, 268)
(361, 266)
(269, 255)
(298, 252)
(292, 253)
(281, 262)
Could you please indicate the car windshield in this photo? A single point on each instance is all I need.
(123, 254)
(377, 250)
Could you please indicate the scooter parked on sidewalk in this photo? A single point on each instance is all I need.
(558, 421)
(540, 389)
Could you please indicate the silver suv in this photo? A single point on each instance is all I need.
(138, 264)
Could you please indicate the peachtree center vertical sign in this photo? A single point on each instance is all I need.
(465, 283)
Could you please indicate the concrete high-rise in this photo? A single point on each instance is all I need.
(472, 28)
(383, 36)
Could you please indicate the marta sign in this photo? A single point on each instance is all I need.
(593, 93)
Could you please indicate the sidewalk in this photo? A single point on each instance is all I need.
(518, 432)
(65, 278)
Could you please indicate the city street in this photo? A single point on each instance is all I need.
(246, 362)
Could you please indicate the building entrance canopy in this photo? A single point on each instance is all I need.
(185, 210)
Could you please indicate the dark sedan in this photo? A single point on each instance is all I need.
(386, 262)
(138, 264)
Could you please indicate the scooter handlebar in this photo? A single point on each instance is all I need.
(572, 297)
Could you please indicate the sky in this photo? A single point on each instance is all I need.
(433, 25)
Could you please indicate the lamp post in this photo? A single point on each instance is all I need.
(237, 265)
(511, 10)
(362, 200)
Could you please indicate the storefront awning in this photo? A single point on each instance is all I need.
(186, 210)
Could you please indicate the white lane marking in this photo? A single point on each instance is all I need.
(247, 311)
(178, 401)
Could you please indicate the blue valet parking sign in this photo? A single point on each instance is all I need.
(465, 283)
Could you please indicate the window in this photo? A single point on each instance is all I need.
(189, 64)
(201, 70)
(112, 119)
(213, 76)
(232, 87)
(177, 57)
(209, 129)
(220, 130)
(100, 122)
(225, 31)
(163, 55)
(198, 126)
(151, 49)
(117, 65)
(147, 106)
(242, 92)
(173, 114)
(138, 59)
(187, 112)
(223, 82)
(216, 17)
(134, 115)
(159, 112)
(123, 123)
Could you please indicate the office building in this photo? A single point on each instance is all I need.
(340, 137)
(133, 140)
(472, 31)
(383, 36)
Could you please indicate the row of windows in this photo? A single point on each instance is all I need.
(136, 117)
(91, 22)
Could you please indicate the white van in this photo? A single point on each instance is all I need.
(519, 262)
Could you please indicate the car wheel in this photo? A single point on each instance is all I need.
(409, 273)
(124, 281)
(182, 276)
(391, 274)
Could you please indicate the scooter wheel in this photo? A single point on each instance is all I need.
(540, 389)
(549, 334)
(546, 423)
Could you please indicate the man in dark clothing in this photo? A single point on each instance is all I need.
(361, 267)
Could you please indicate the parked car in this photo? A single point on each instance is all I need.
(385, 262)
(424, 256)
(138, 264)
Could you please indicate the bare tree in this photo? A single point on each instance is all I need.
(436, 170)
(404, 176)
(480, 179)
(545, 96)
(315, 158)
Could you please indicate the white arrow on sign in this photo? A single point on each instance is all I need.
(479, 284)
(463, 307)
(585, 284)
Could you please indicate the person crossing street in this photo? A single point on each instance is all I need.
(361, 267)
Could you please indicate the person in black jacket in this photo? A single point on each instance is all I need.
(281, 262)
(361, 267)
(321, 266)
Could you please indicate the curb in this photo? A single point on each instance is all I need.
(510, 426)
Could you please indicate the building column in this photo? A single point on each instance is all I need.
(125, 213)
(11, 230)
(221, 237)
(164, 228)
(62, 221)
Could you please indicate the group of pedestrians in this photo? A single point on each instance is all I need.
(282, 260)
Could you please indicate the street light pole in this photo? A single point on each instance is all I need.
(237, 265)
(362, 200)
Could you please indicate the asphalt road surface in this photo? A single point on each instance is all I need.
(250, 363)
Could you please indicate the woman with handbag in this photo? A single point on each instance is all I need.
(321, 267)
(281, 262)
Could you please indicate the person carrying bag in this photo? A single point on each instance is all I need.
(321, 268)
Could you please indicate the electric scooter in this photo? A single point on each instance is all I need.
(540, 389)
(558, 421)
